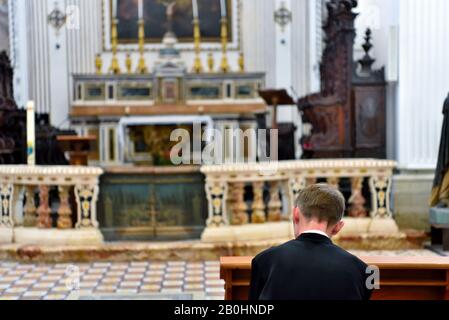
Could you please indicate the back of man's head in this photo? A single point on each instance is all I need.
(321, 202)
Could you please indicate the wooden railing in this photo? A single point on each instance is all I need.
(275, 185)
(21, 186)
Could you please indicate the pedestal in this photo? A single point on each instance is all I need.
(6, 235)
(56, 237)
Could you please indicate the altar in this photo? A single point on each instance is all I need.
(133, 107)
(152, 203)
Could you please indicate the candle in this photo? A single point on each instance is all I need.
(140, 9)
(223, 8)
(114, 8)
(195, 8)
(31, 134)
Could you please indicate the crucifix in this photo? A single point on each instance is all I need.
(57, 18)
(282, 16)
(170, 11)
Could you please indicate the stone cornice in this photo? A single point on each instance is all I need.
(305, 168)
(49, 175)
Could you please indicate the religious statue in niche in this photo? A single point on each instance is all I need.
(157, 21)
(440, 191)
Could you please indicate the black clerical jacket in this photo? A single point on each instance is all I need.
(310, 267)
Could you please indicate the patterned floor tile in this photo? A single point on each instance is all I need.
(6, 297)
(15, 290)
(30, 294)
(44, 285)
(126, 291)
(129, 284)
(55, 297)
(194, 287)
(137, 276)
(4, 286)
(36, 281)
(60, 289)
(150, 288)
(172, 283)
(215, 283)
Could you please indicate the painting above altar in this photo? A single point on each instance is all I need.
(156, 23)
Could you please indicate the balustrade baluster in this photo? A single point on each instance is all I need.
(334, 182)
(274, 204)
(380, 187)
(44, 220)
(64, 211)
(310, 181)
(239, 207)
(258, 215)
(30, 218)
(86, 199)
(357, 201)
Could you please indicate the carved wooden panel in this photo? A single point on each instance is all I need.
(369, 105)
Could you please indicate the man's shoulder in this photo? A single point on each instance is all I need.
(268, 254)
(350, 257)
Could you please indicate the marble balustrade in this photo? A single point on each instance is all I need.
(21, 186)
(274, 187)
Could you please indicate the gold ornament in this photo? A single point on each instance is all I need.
(129, 63)
(224, 66)
(210, 62)
(115, 67)
(197, 67)
(98, 64)
(242, 62)
(141, 66)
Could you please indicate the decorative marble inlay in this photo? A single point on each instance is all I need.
(217, 196)
(6, 203)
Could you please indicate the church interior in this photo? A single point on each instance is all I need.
(144, 141)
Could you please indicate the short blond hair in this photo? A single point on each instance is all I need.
(322, 202)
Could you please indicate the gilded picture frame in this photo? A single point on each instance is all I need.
(209, 42)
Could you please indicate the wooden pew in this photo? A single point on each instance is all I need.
(401, 278)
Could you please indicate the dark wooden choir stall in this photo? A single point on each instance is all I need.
(347, 117)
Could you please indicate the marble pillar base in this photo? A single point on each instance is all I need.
(72, 237)
(249, 232)
(377, 226)
(6, 235)
(354, 227)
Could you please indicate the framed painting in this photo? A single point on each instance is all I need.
(157, 23)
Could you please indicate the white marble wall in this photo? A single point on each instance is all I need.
(423, 81)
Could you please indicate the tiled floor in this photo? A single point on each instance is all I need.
(60, 281)
(133, 280)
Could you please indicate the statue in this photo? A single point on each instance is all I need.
(440, 191)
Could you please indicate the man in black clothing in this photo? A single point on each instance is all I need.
(311, 267)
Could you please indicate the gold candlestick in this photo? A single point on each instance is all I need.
(128, 63)
(98, 64)
(242, 62)
(115, 67)
(197, 66)
(141, 66)
(211, 62)
(224, 45)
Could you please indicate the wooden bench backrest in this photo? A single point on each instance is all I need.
(401, 278)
